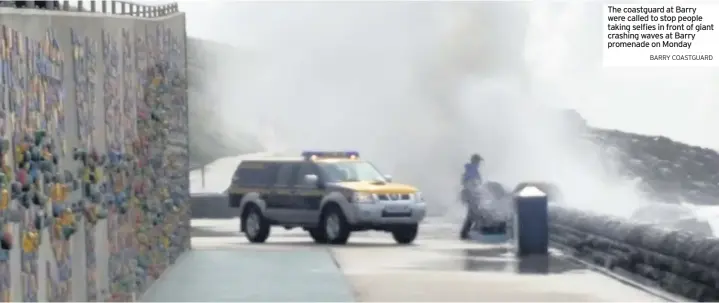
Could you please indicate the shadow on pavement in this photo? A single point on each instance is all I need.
(499, 259)
(310, 243)
(212, 232)
(201, 232)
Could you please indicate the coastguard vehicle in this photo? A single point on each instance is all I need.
(328, 194)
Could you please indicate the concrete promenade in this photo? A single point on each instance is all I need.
(223, 267)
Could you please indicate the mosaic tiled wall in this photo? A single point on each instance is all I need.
(93, 139)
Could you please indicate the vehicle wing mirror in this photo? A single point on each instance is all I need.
(312, 180)
(388, 178)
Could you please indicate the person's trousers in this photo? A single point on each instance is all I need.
(469, 220)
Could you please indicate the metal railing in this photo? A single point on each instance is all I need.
(125, 8)
(202, 172)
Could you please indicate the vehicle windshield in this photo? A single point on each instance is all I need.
(350, 171)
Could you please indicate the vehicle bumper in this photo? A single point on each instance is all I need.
(379, 214)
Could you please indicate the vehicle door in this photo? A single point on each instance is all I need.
(235, 191)
(280, 206)
(253, 176)
(308, 196)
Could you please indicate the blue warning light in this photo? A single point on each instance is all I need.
(330, 155)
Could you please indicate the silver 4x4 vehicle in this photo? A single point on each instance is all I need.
(328, 194)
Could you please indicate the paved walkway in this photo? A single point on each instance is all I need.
(229, 275)
(223, 267)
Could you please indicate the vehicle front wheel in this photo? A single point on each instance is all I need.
(334, 226)
(405, 234)
(317, 235)
(256, 227)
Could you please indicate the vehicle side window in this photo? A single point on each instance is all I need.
(255, 174)
(236, 175)
(305, 169)
(285, 174)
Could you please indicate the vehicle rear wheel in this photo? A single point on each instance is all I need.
(317, 235)
(334, 226)
(255, 226)
(405, 234)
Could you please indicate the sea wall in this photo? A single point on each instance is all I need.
(94, 130)
(676, 261)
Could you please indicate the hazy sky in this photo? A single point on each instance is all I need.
(563, 50)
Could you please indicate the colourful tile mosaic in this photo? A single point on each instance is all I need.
(112, 83)
(120, 222)
(137, 181)
(4, 203)
(129, 102)
(84, 70)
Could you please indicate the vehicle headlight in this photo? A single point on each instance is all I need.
(418, 196)
(360, 197)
